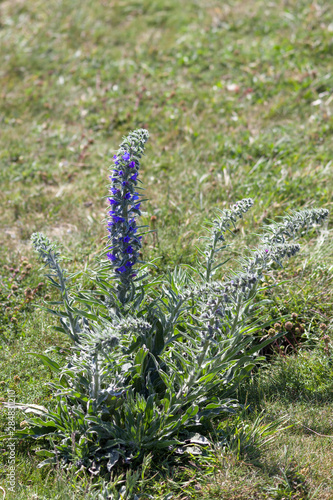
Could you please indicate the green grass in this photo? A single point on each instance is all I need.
(237, 97)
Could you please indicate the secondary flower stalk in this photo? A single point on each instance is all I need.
(218, 228)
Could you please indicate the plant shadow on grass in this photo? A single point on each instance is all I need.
(304, 377)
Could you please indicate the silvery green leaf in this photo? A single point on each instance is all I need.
(113, 459)
(193, 450)
(48, 461)
(94, 469)
(198, 439)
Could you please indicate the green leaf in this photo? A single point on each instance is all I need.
(85, 314)
(47, 361)
(44, 453)
(159, 339)
(46, 462)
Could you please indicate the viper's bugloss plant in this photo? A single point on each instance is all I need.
(154, 363)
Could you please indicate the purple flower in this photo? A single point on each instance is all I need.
(115, 157)
(117, 219)
(113, 202)
(129, 264)
(121, 269)
(127, 196)
(111, 257)
(266, 250)
(129, 249)
(121, 173)
(132, 164)
(116, 162)
(126, 239)
(124, 183)
(135, 197)
(126, 156)
(134, 176)
(114, 190)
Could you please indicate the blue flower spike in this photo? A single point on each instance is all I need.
(124, 243)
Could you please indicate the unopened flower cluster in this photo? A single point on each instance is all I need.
(295, 224)
(218, 228)
(46, 249)
(229, 217)
(218, 299)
